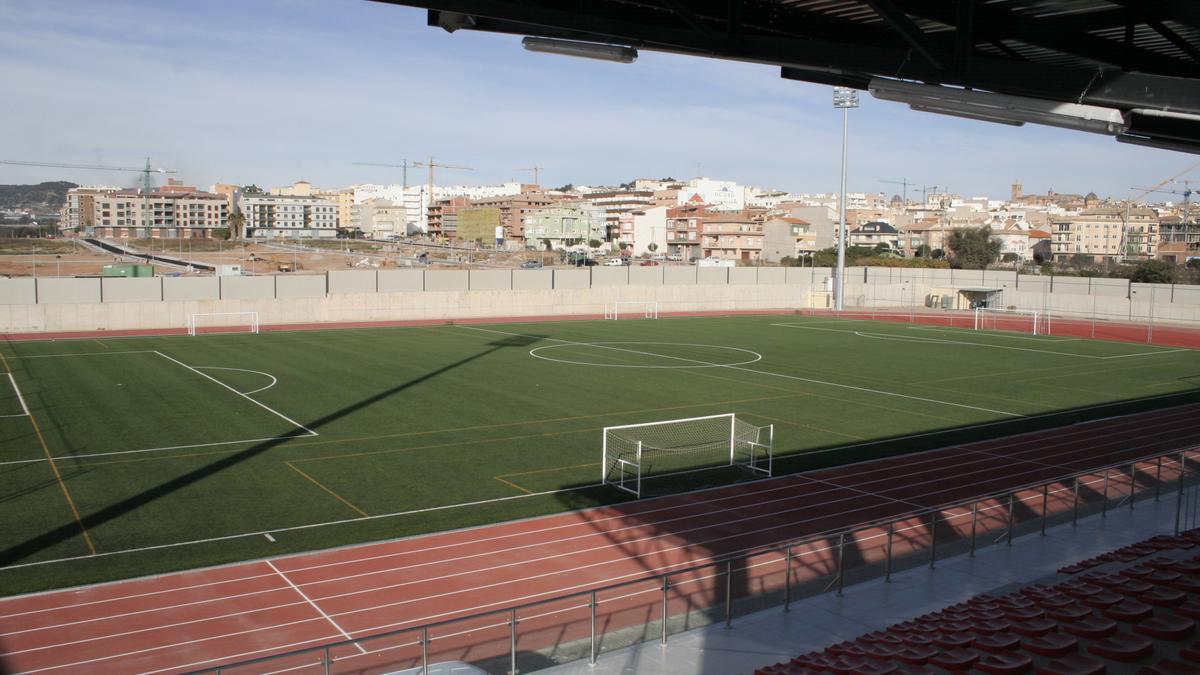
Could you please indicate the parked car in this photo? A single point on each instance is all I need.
(531, 265)
(649, 263)
(614, 262)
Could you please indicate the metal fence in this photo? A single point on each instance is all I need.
(544, 633)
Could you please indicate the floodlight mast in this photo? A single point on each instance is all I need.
(844, 98)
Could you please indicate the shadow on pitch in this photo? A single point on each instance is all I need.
(33, 546)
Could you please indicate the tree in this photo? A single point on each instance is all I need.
(622, 245)
(937, 254)
(652, 247)
(923, 251)
(973, 248)
(1082, 261)
(1010, 257)
(594, 243)
(547, 245)
(1153, 272)
(237, 223)
(882, 247)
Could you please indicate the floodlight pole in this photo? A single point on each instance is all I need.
(844, 98)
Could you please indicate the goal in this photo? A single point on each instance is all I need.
(631, 309)
(1019, 320)
(222, 322)
(633, 452)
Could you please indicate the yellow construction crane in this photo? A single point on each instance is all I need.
(431, 165)
(145, 171)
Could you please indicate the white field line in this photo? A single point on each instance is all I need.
(422, 620)
(956, 330)
(19, 397)
(257, 403)
(58, 356)
(758, 372)
(274, 381)
(914, 339)
(312, 604)
(144, 450)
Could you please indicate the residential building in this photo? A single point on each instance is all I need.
(273, 216)
(477, 224)
(720, 195)
(173, 211)
(786, 237)
(515, 211)
(872, 234)
(732, 236)
(646, 227)
(684, 224)
(821, 219)
(564, 225)
(618, 203)
(78, 213)
(1106, 233)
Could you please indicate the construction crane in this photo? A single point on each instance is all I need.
(1186, 192)
(402, 165)
(1158, 188)
(536, 172)
(145, 171)
(904, 184)
(431, 165)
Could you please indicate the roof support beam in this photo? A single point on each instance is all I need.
(1173, 37)
(964, 36)
(912, 34)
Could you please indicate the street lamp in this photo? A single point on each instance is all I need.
(844, 98)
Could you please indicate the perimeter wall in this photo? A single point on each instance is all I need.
(71, 304)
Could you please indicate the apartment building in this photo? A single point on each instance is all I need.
(565, 225)
(617, 204)
(870, 235)
(281, 216)
(786, 237)
(732, 236)
(78, 212)
(1106, 233)
(684, 224)
(515, 210)
(174, 211)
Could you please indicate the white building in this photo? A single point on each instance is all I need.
(720, 195)
(648, 226)
(415, 200)
(276, 216)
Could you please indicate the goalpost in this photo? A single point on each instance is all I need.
(632, 452)
(638, 309)
(222, 322)
(1020, 320)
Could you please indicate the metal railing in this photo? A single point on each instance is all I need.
(585, 623)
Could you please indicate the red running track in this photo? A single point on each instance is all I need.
(203, 618)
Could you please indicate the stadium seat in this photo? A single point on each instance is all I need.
(955, 659)
(1024, 613)
(1190, 609)
(1188, 584)
(954, 640)
(1080, 589)
(916, 655)
(1053, 645)
(997, 642)
(1058, 600)
(1073, 664)
(1133, 587)
(1092, 628)
(1033, 627)
(1102, 600)
(1168, 667)
(1123, 647)
(989, 627)
(1129, 611)
(1172, 628)
(1004, 664)
(1162, 576)
(1161, 596)
(1069, 613)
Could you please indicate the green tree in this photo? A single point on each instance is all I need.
(1010, 257)
(923, 251)
(882, 247)
(237, 223)
(594, 243)
(1083, 261)
(622, 245)
(652, 247)
(973, 248)
(1154, 272)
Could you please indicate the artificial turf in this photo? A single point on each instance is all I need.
(376, 433)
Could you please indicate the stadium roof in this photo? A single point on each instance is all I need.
(1125, 68)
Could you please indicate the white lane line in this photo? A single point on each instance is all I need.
(313, 604)
(144, 450)
(758, 372)
(274, 381)
(257, 403)
(950, 330)
(56, 356)
(19, 397)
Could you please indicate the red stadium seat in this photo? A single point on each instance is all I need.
(1102, 600)
(1033, 627)
(1024, 613)
(1123, 647)
(997, 642)
(955, 659)
(954, 640)
(916, 656)
(989, 627)
(1133, 587)
(1168, 667)
(1162, 596)
(1053, 645)
(1069, 613)
(1172, 628)
(1190, 609)
(1073, 664)
(1005, 664)
(1093, 628)
(1081, 589)
(1129, 611)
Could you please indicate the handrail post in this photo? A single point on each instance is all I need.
(512, 641)
(841, 561)
(666, 586)
(1179, 501)
(1045, 503)
(932, 538)
(1011, 517)
(787, 581)
(592, 651)
(1158, 479)
(1104, 505)
(328, 665)
(1132, 483)
(729, 594)
(974, 519)
(424, 650)
(887, 569)
(1075, 504)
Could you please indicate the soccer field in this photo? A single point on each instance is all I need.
(131, 456)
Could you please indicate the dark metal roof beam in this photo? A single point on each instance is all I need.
(912, 34)
(1183, 11)
(691, 19)
(964, 36)
(1173, 37)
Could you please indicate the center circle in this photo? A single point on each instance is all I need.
(678, 362)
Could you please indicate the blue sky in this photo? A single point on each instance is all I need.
(272, 91)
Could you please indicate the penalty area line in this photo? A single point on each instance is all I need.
(20, 398)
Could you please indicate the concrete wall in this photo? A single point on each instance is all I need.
(300, 286)
(132, 289)
(18, 291)
(490, 280)
(191, 288)
(447, 280)
(247, 288)
(525, 280)
(353, 281)
(573, 279)
(610, 276)
(396, 281)
(68, 291)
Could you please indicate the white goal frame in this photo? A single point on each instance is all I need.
(1041, 323)
(624, 470)
(192, 324)
(649, 309)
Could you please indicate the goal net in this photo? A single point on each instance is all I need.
(634, 452)
(631, 309)
(1019, 320)
(222, 322)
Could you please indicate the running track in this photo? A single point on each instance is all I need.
(206, 617)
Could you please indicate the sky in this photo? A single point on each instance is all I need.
(273, 91)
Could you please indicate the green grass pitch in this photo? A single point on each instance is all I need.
(176, 452)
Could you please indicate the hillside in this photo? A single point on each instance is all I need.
(42, 195)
